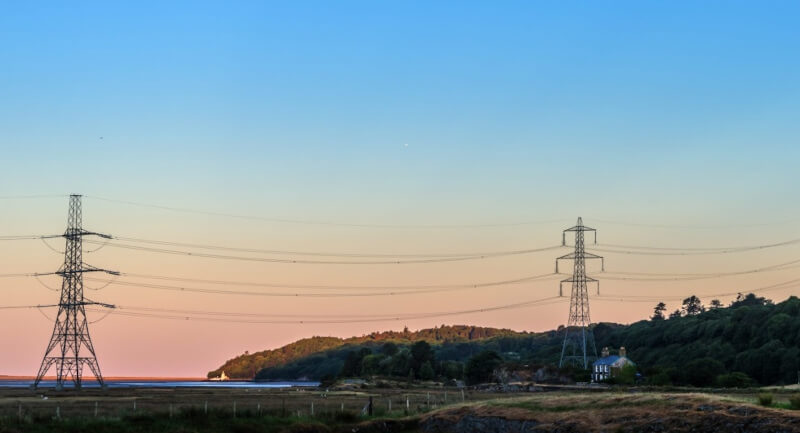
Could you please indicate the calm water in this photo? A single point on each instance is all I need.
(164, 384)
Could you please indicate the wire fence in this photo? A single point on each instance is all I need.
(252, 403)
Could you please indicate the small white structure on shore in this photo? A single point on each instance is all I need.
(221, 377)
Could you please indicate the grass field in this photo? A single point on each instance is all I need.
(307, 410)
(274, 408)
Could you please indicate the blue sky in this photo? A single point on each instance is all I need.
(196, 92)
(648, 112)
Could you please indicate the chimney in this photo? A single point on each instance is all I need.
(622, 351)
(605, 352)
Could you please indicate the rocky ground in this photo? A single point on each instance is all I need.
(578, 413)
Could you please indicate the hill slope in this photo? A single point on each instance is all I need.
(247, 365)
(752, 340)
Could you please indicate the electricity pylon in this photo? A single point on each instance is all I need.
(578, 347)
(71, 329)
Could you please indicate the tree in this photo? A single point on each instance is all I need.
(702, 371)
(426, 371)
(421, 352)
(453, 369)
(352, 363)
(661, 378)
(658, 311)
(480, 367)
(401, 363)
(749, 300)
(715, 304)
(624, 376)
(692, 306)
(371, 364)
(675, 314)
(389, 349)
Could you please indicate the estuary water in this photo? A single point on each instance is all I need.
(164, 384)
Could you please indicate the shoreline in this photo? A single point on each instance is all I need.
(114, 379)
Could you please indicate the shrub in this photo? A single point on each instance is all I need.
(660, 379)
(765, 399)
(736, 379)
(794, 401)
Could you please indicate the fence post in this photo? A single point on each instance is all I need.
(408, 405)
(342, 407)
(205, 408)
(234, 408)
(170, 410)
(134, 405)
(259, 409)
(370, 406)
(58, 412)
(462, 394)
(95, 409)
(19, 412)
(312, 408)
(445, 397)
(390, 405)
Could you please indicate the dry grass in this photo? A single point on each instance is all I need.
(590, 412)
(120, 402)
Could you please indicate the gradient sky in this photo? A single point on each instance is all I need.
(396, 113)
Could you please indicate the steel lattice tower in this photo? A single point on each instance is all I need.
(70, 347)
(579, 345)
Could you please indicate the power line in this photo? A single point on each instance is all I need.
(688, 277)
(322, 262)
(232, 317)
(323, 223)
(19, 237)
(690, 251)
(17, 275)
(332, 254)
(32, 196)
(682, 253)
(339, 287)
(610, 275)
(634, 298)
(405, 291)
(696, 227)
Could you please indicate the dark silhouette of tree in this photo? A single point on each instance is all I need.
(703, 371)
(480, 367)
(426, 371)
(692, 306)
(389, 349)
(353, 362)
(749, 300)
(675, 314)
(658, 311)
(715, 303)
(421, 352)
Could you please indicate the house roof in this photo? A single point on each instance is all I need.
(610, 360)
